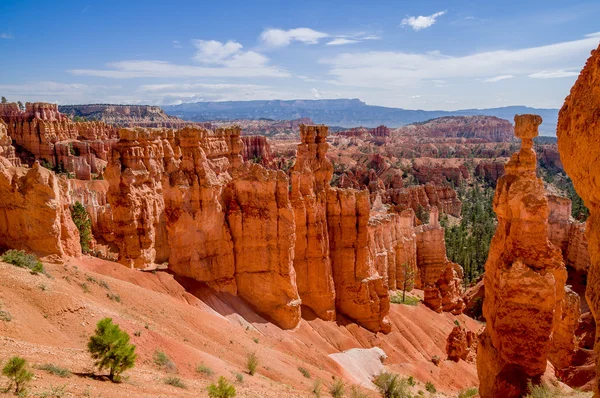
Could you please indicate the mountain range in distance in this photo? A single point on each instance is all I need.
(342, 112)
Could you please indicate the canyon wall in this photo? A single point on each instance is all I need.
(579, 146)
(524, 278)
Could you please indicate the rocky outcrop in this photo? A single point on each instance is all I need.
(34, 209)
(7, 151)
(567, 234)
(361, 293)
(524, 278)
(439, 171)
(489, 128)
(125, 115)
(256, 149)
(578, 134)
(427, 196)
(490, 170)
(461, 344)
(564, 342)
(310, 178)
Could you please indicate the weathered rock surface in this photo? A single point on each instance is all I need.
(34, 209)
(461, 344)
(524, 279)
(489, 128)
(579, 146)
(256, 149)
(125, 115)
(7, 151)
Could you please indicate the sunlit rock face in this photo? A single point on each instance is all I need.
(579, 146)
(524, 278)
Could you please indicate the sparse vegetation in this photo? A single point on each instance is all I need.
(541, 391)
(4, 315)
(391, 385)
(430, 387)
(239, 377)
(355, 392)
(54, 392)
(175, 382)
(114, 297)
(16, 369)
(317, 387)
(223, 389)
(82, 221)
(469, 393)
(163, 361)
(252, 364)
(411, 381)
(23, 260)
(110, 347)
(255, 339)
(403, 299)
(55, 370)
(202, 368)
(304, 372)
(337, 389)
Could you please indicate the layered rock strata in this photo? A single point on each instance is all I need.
(578, 134)
(524, 278)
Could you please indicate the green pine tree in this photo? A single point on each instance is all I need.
(16, 370)
(110, 347)
(83, 223)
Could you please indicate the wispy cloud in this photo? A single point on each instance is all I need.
(497, 78)
(218, 59)
(421, 22)
(5, 36)
(553, 74)
(351, 39)
(341, 41)
(389, 69)
(177, 44)
(280, 38)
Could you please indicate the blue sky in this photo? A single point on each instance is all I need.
(411, 54)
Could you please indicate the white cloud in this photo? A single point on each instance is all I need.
(554, 74)
(497, 78)
(176, 44)
(421, 22)
(341, 41)
(389, 69)
(5, 36)
(315, 93)
(595, 34)
(415, 96)
(281, 38)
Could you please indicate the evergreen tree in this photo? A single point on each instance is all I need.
(110, 347)
(16, 370)
(82, 221)
(4, 100)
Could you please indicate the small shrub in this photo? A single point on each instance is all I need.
(408, 300)
(85, 287)
(55, 370)
(392, 386)
(16, 370)
(82, 221)
(336, 389)
(110, 347)
(175, 382)
(317, 388)
(540, 391)
(255, 339)
(430, 387)
(411, 381)
(355, 392)
(202, 368)
(23, 260)
(469, 393)
(239, 377)
(55, 392)
(163, 361)
(252, 364)
(114, 297)
(304, 372)
(223, 389)
(5, 315)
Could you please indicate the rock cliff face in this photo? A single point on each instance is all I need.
(579, 146)
(43, 133)
(489, 128)
(524, 279)
(443, 197)
(310, 178)
(125, 115)
(34, 209)
(256, 149)
(461, 344)
(7, 151)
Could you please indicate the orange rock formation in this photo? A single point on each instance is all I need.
(579, 146)
(524, 279)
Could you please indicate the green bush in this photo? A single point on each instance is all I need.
(223, 389)
(336, 389)
(252, 364)
(202, 368)
(392, 386)
(304, 372)
(239, 377)
(163, 361)
(175, 382)
(55, 370)
(82, 221)
(469, 393)
(16, 370)
(110, 347)
(23, 260)
(540, 391)
(408, 300)
(430, 387)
